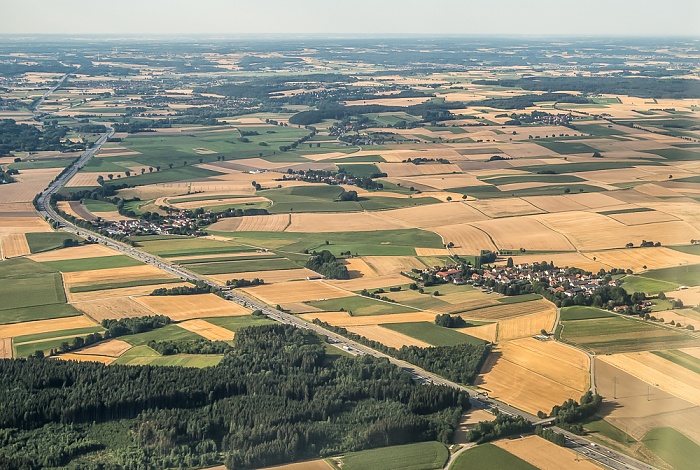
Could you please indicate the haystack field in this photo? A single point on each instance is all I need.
(13, 245)
(207, 330)
(119, 292)
(534, 375)
(524, 232)
(636, 258)
(545, 455)
(507, 207)
(106, 276)
(75, 252)
(387, 337)
(467, 240)
(117, 307)
(344, 318)
(185, 307)
(295, 291)
(383, 265)
(527, 325)
(270, 277)
(56, 324)
(664, 374)
(435, 214)
(254, 223)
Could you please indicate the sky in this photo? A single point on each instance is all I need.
(353, 17)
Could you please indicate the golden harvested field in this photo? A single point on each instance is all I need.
(506, 207)
(690, 297)
(475, 303)
(636, 258)
(448, 181)
(106, 360)
(369, 282)
(467, 240)
(387, 337)
(470, 419)
(688, 211)
(207, 330)
(219, 255)
(637, 407)
(571, 259)
(344, 319)
(667, 376)
(254, 223)
(434, 214)
(111, 347)
(524, 232)
(216, 202)
(13, 245)
(56, 324)
(357, 267)
(383, 265)
(534, 375)
(106, 276)
(10, 225)
(486, 332)
(5, 348)
(74, 252)
(593, 200)
(504, 311)
(431, 252)
(403, 170)
(120, 292)
(185, 307)
(29, 184)
(527, 325)
(640, 218)
(341, 222)
(590, 231)
(295, 291)
(117, 307)
(555, 203)
(544, 454)
(308, 465)
(678, 316)
(85, 179)
(269, 277)
(67, 207)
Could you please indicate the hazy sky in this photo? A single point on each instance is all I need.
(501, 17)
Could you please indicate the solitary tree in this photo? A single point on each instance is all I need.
(100, 180)
(150, 169)
(143, 170)
(127, 173)
(110, 176)
(170, 165)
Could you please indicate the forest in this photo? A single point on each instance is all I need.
(275, 397)
(25, 138)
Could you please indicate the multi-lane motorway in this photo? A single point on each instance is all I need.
(584, 447)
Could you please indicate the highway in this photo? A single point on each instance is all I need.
(584, 447)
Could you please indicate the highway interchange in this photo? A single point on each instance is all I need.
(586, 448)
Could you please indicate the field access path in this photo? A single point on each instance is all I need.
(586, 448)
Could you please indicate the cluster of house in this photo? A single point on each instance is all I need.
(175, 224)
(559, 281)
(320, 177)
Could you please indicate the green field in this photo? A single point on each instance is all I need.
(676, 154)
(169, 332)
(38, 312)
(360, 306)
(179, 360)
(673, 447)
(682, 359)
(633, 284)
(182, 173)
(566, 147)
(28, 344)
(599, 130)
(432, 333)
(236, 323)
(683, 275)
(583, 313)
(500, 180)
(359, 169)
(215, 259)
(223, 267)
(172, 246)
(38, 164)
(690, 249)
(378, 243)
(46, 241)
(120, 285)
(90, 264)
(622, 334)
(420, 456)
(603, 428)
(580, 167)
(491, 192)
(488, 457)
(99, 206)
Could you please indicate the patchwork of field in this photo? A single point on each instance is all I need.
(106, 276)
(119, 292)
(545, 455)
(255, 223)
(534, 375)
(113, 308)
(296, 291)
(55, 324)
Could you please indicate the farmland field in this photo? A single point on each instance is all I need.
(432, 334)
(583, 313)
(673, 447)
(488, 456)
(421, 456)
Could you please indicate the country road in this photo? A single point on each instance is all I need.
(588, 449)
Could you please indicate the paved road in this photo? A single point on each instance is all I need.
(581, 445)
(36, 105)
